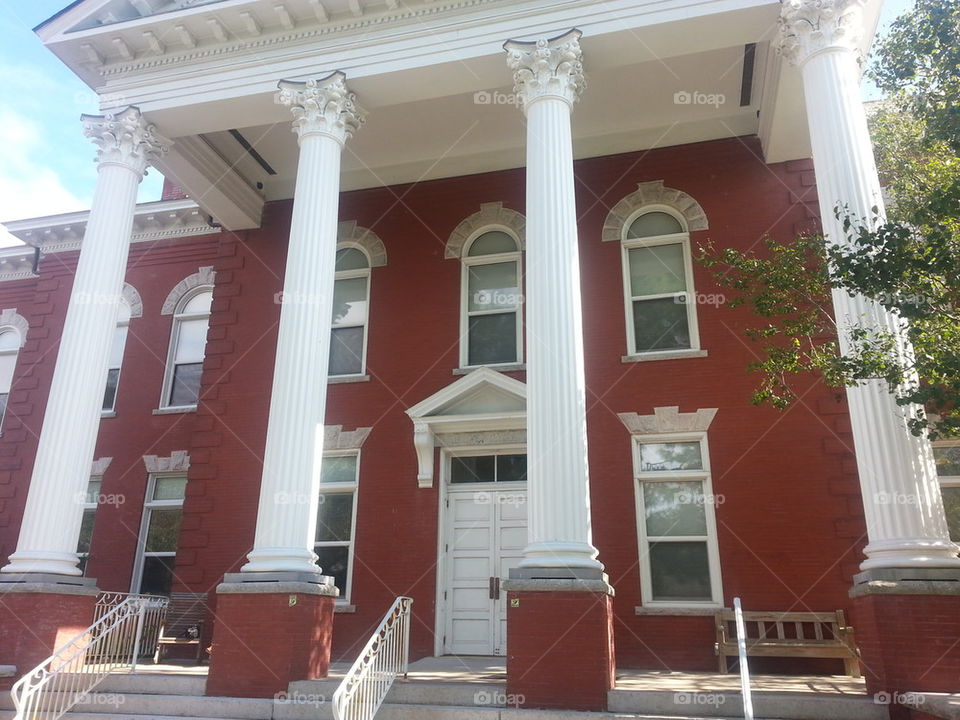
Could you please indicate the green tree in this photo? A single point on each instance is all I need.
(910, 264)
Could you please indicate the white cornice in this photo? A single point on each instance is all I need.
(152, 221)
(17, 263)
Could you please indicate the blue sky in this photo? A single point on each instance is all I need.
(47, 165)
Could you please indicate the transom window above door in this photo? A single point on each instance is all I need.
(488, 469)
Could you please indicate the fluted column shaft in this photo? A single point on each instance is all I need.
(549, 78)
(325, 116)
(903, 506)
(61, 471)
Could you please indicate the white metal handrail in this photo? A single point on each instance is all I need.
(384, 657)
(113, 641)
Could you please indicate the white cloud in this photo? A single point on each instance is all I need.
(28, 187)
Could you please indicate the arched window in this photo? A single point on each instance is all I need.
(351, 300)
(181, 387)
(116, 357)
(658, 283)
(9, 348)
(491, 327)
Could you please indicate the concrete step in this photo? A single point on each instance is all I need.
(417, 693)
(154, 684)
(127, 704)
(767, 705)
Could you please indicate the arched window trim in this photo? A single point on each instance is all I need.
(466, 262)
(178, 317)
(11, 321)
(681, 238)
(364, 272)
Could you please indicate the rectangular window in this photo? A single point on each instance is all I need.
(348, 334)
(947, 455)
(492, 312)
(159, 534)
(113, 371)
(658, 278)
(336, 519)
(679, 559)
(86, 525)
(488, 468)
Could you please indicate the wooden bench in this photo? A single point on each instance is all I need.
(789, 634)
(185, 614)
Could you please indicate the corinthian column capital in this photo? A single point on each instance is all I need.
(324, 106)
(547, 68)
(811, 26)
(125, 138)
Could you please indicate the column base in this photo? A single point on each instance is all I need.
(39, 614)
(560, 651)
(268, 633)
(908, 628)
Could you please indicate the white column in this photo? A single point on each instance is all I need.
(127, 144)
(548, 78)
(901, 495)
(325, 115)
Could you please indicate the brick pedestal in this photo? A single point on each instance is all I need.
(267, 634)
(908, 630)
(38, 617)
(560, 643)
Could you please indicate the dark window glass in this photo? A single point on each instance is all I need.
(164, 530)
(346, 351)
(511, 468)
(680, 571)
(493, 339)
(335, 517)
(186, 384)
(472, 469)
(951, 504)
(86, 531)
(335, 561)
(3, 405)
(110, 394)
(660, 324)
(157, 578)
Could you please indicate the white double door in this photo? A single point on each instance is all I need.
(484, 536)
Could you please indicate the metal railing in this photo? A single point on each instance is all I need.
(384, 657)
(123, 624)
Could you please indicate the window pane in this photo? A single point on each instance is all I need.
(339, 469)
(335, 517)
(660, 325)
(350, 301)
(492, 339)
(346, 351)
(335, 561)
(116, 350)
(93, 491)
(3, 404)
(491, 243)
(657, 457)
(9, 340)
(680, 571)
(199, 303)
(7, 364)
(658, 269)
(472, 469)
(164, 530)
(191, 340)
(86, 531)
(157, 578)
(511, 468)
(493, 287)
(674, 509)
(169, 488)
(110, 393)
(948, 460)
(951, 503)
(186, 384)
(351, 259)
(654, 223)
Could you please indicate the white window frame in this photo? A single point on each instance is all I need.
(15, 352)
(112, 410)
(348, 275)
(87, 507)
(682, 239)
(178, 317)
(352, 488)
(643, 541)
(950, 481)
(466, 262)
(149, 505)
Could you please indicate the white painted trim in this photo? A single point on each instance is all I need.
(342, 489)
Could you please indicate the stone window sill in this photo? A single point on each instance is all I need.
(108, 414)
(706, 610)
(666, 355)
(512, 367)
(175, 410)
(343, 379)
(339, 608)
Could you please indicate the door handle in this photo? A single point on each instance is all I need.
(494, 588)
